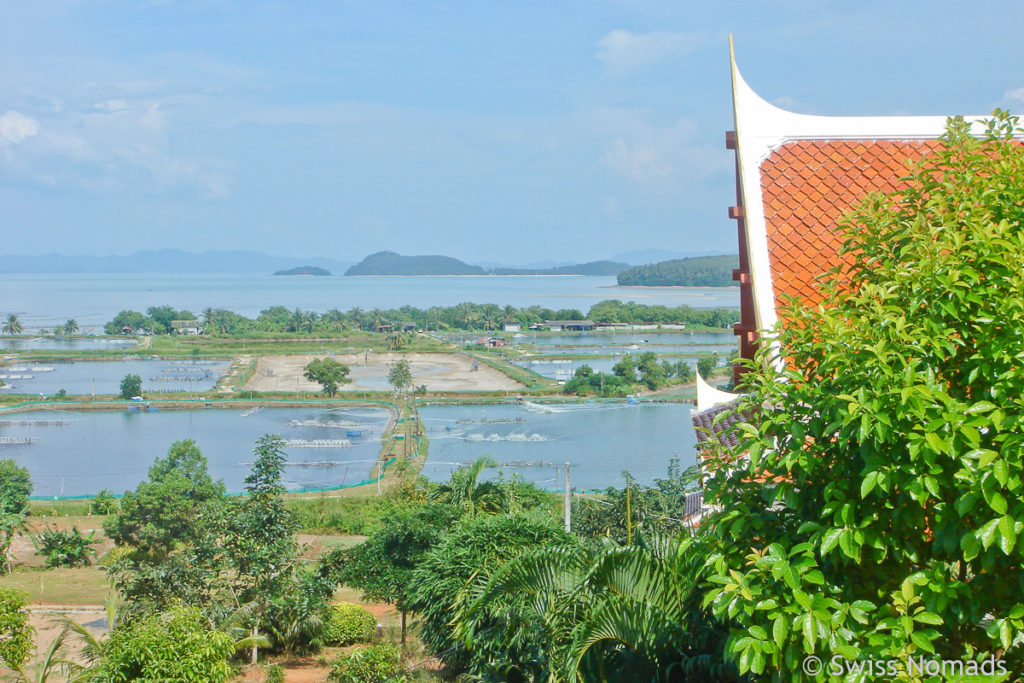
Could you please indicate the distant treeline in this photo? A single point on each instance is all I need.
(700, 271)
(390, 263)
(464, 316)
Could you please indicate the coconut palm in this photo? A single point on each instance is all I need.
(51, 667)
(11, 524)
(466, 490)
(70, 327)
(610, 613)
(13, 324)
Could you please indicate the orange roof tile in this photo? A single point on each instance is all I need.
(807, 186)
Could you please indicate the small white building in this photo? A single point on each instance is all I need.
(186, 327)
(511, 327)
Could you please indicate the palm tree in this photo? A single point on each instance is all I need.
(70, 327)
(610, 613)
(11, 523)
(13, 324)
(466, 490)
(51, 665)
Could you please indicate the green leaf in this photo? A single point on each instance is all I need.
(1001, 471)
(981, 407)
(780, 629)
(936, 442)
(997, 502)
(922, 642)
(869, 483)
(829, 540)
(1008, 536)
(928, 618)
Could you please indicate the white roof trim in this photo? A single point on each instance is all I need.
(761, 127)
(709, 396)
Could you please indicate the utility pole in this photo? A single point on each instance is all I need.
(568, 502)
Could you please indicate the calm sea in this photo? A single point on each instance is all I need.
(46, 300)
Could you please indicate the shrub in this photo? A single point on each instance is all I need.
(65, 548)
(381, 663)
(15, 631)
(176, 645)
(15, 487)
(131, 385)
(348, 623)
(273, 673)
(103, 504)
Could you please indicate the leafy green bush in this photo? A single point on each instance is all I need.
(380, 663)
(348, 623)
(273, 673)
(358, 516)
(65, 548)
(15, 487)
(131, 386)
(15, 631)
(473, 547)
(177, 645)
(103, 504)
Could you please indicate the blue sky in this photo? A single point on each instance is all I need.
(503, 132)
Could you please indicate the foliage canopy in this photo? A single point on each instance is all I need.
(893, 448)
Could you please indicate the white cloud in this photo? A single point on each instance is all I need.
(623, 51)
(659, 156)
(15, 127)
(1014, 94)
(110, 145)
(373, 226)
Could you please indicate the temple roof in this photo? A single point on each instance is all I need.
(798, 174)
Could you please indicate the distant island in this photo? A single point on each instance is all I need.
(591, 268)
(699, 271)
(304, 270)
(390, 263)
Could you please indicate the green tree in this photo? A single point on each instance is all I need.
(13, 324)
(440, 580)
(261, 542)
(176, 646)
(382, 565)
(706, 364)
(133, 319)
(70, 327)
(131, 386)
(161, 317)
(466, 490)
(11, 524)
(652, 374)
(626, 369)
(879, 508)
(328, 373)
(167, 508)
(400, 376)
(103, 503)
(15, 631)
(602, 612)
(15, 486)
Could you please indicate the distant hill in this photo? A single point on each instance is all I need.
(304, 270)
(165, 261)
(592, 268)
(699, 271)
(390, 263)
(641, 257)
